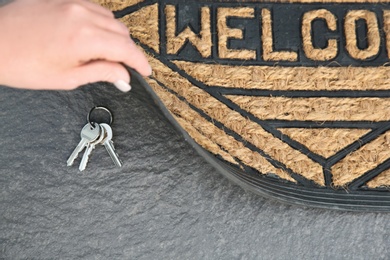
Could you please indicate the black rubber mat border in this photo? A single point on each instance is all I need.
(266, 186)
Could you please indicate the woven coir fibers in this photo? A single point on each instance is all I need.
(292, 90)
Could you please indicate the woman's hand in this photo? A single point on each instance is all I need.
(62, 44)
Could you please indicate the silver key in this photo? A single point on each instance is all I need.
(88, 134)
(90, 147)
(109, 145)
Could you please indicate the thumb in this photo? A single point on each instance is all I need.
(102, 71)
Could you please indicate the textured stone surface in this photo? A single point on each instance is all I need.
(165, 202)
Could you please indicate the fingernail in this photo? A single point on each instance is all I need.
(122, 86)
(150, 70)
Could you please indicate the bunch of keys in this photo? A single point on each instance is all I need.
(92, 135)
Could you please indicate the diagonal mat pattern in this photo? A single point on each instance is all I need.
(289, 99)
(325, 141)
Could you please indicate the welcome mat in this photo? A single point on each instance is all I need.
(292, 98)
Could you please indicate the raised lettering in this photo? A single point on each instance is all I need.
(269, 54)
(373, 37)
(328, 53)
(225, 33)
(202, 42)
(386, 29)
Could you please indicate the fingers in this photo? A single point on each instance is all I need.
(96, 8)
(70, 43)
(99, 71)
(137, 60)
(84, 11)
(107, 19)
(110, 24)
(124, 51)
(114, 47)
(111, 42)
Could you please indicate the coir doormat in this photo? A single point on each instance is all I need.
(291, 99)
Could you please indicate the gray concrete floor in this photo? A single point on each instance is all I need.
(165, 203)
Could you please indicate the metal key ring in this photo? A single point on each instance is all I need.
(99, 108)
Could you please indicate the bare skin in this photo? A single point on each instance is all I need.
(63, 44)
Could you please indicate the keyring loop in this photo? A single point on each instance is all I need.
(99, 108)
